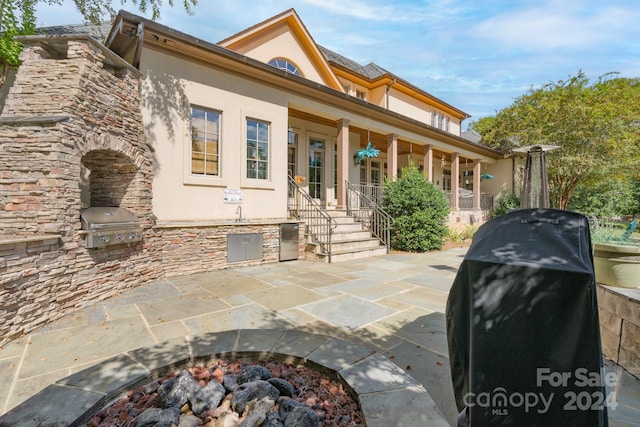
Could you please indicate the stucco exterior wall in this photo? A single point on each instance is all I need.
(282, 43)
(179, 195)
(502, 170)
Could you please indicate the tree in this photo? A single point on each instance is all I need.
(597, 126)
(17, 18)
(419, 210)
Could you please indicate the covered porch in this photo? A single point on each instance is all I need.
(322, 153)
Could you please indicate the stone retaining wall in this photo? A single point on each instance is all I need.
(619, 313)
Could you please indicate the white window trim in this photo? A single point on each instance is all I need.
(203, 180)
(271, 119)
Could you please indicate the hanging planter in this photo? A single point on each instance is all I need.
(367, 153)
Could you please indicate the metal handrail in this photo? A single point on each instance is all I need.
(367, 211)
(319, 223)
(467, 202)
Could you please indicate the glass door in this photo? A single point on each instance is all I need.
(316, 167)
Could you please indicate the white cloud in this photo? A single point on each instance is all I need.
(557, 25)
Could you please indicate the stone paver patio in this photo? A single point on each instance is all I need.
(392, 305)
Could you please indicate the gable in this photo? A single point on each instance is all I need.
(284, 37)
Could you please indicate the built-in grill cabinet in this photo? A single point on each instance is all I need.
(107, 226)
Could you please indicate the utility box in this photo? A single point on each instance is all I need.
(289, 241)
(244, 247)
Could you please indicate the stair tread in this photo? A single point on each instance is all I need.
(353, 250)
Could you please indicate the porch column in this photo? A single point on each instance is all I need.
(428, 162)
(343, 162)
(455, 179)
(477, 169)
(392, 156)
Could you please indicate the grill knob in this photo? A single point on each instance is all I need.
(104, 239)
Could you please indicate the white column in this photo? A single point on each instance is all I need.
(477, 170)
(343, 162)
(455, 179)
(392, 156)
(428, 162)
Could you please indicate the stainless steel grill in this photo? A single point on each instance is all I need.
(107, 226)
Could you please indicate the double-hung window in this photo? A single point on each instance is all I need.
(257, 149)
(205, 142)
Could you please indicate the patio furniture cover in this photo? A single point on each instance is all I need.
(522, 324)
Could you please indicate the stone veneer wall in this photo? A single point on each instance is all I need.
(75, 103)
(619, 313)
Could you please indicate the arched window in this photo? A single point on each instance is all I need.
(285, 64)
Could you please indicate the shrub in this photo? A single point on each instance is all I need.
(419, 210)
(457, 235)
(506, 203)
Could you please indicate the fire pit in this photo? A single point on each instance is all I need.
(386, 394)
(236, 393)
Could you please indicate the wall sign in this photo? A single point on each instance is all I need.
(232, 196)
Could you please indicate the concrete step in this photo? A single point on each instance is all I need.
(353, 244)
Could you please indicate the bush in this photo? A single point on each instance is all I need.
(506, 203)
(457, 235)
(419, 210)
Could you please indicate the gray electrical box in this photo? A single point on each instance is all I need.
(289, 241)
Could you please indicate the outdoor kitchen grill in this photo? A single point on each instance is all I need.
(107, 226)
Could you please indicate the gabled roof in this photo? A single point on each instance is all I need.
(241, 41)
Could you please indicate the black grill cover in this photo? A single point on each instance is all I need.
(522, 324)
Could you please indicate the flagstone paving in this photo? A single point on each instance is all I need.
(390, 309)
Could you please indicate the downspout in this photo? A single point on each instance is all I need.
(387, 92)
(139, 40)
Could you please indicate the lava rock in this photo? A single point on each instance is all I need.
(177, 391)
(253, 390)
(284, 387)
(286, 405)
(230, 382)
(256, 412)
(208, 397)
(302, 416)
(253, 373)
(156, 417)
(273, 420)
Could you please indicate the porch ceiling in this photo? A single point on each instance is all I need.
(378, 140)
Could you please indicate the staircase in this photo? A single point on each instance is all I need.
(349, 241)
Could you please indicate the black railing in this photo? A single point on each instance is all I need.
(318, 223)
(367, 211)
(467, 201)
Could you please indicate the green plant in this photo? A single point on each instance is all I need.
(611, 231)
(457, 235)
(17, 18)
(419, 210)
(506, 203)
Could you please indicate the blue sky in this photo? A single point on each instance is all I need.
(476, 55)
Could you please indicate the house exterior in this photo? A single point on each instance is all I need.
(217, 150)
(311, 110)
